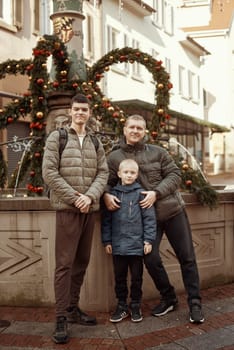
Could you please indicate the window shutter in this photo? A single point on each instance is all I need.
(37, 16)
(18, 13)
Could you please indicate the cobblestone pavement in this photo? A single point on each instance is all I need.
(31, 328)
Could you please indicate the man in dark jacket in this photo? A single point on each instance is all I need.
(161, 178)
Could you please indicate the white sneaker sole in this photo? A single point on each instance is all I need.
(170, 308)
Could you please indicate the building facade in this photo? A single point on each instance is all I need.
(193, 39)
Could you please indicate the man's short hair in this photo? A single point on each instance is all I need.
(135, 117)
(79, 98)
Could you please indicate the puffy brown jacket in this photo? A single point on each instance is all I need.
(157, 172)
(80, 169)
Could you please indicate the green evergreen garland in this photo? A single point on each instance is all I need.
(34, 101)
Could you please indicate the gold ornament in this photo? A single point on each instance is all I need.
(160, 111)
(160, 86)
(63, 73)
(39, 115)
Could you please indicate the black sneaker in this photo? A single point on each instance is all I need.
(136, 315)
(196, 314)
(120, 313)
(164, 307)
(60, 335)
(76, 315)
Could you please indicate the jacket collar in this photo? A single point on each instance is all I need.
(140, 146)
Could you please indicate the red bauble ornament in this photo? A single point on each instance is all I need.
(115, 115)
(40, 81)
(10, 119)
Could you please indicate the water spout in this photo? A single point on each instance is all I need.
(194, 163)
(27, 147)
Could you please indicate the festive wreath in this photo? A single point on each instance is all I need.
(34, 101)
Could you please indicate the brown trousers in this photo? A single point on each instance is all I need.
(74, 232)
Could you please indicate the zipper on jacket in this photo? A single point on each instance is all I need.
(130, 208)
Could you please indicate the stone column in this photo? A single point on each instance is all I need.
(67, 22)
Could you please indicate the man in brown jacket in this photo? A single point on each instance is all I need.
(76, 183)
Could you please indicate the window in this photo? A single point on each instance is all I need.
(46, 25)
(90, 34)
(6, 11)
(168, 18)
(158, 15)
(112, 38)
(183, 82)
(205, 98)
(164, 15)
(125, 44)
(194, 86)
(168, 65)
(18, 13)
(136, 67)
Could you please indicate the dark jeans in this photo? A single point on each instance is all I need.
(74, 232)
(121, 265)
(178, 232)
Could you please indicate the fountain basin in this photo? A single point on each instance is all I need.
(27, 240)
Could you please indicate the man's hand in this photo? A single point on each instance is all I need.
(149, 200)
(83, 203)
(111, 201)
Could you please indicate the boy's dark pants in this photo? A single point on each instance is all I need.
(121, 265)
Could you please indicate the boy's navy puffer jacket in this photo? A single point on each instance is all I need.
(127, 228)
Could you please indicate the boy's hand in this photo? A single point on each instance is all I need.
(147, 248)
(108, 249)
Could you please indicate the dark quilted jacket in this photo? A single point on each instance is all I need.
(157, 172)
(127, 228)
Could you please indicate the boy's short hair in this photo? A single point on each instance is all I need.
(128, 162)
(80, 98)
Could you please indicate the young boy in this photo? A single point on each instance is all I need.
(127, 234)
